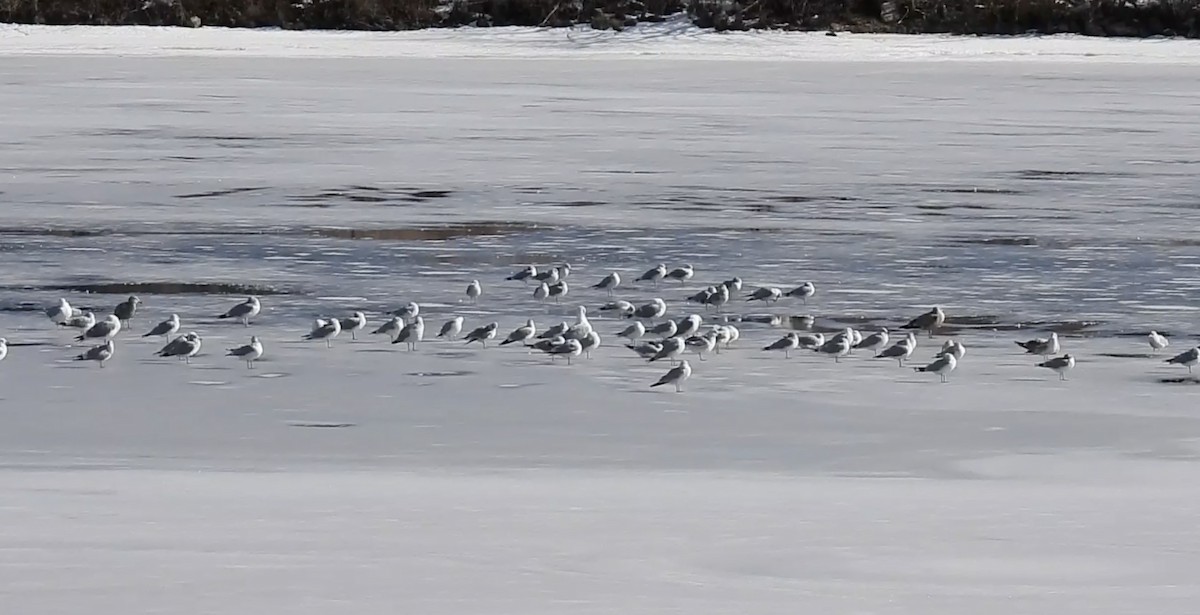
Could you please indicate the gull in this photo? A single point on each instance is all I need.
(547, 344)
(837, 347)
(549, 276)
(582, 326)
(184, 347)
(733, 284)
(646, 350)
(633, 332)
(1188, 358)
(723, 336)
(811, 341)
(355, 323)
(558, 291)
(734, 334)
(1042, 346)
(555, 331)
(520, 334)
(249, 352)
(901, 350)
(765, 294)
(875, 341)
(623, 308)
(789, 342)
(127, 308)
(929, 321)
(483, 334)
(665, 329)
(60, 313)
(165, 328)
(1062, 365)
(942, 366)
(855, 336)
(655, 309)
(83, 321)
(702, 343)
(688, 326)
(541, 292)
(589, 343)
(1158, 341)
(391, 327)
(654, 275)
(325, 329)
(99, 353)
(682, 274)
(569, 349)
(524, 275)
(953, 347)
(451, 328)
(719, 298)
(610, 282)
(3, 348)
(676, 376)
(672, 347)
(104, 330)
(412, 333)
(703, 296)
(473, 291)
(803, 291)
(564, 270)
(244, 311)
(408, 312)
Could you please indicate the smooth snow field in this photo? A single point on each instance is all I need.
(1025, 185)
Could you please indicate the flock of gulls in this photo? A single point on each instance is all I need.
(649, 333)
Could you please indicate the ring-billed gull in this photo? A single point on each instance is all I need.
(483, 334)
(953, 347)
(789, 342)
(734, 334)
(1187, 358)
(451, 328)
(474, 290)
(609, 283)
(875, 341)
(901, 350)
(244, 311)
(61, 313)
(654, 275)
(104, 330)
(249, 353)
(1158, 341)
(354, 323)
(811, 341)
(1041, 346)
(524, 275)
(391, 328)
(558, 291)
(412, 333)
(542, 292)
(701, 344)
(569, 349)
(165, 328)
(521, 334)
(929, 321)
(410, 311)
(672, 347)
(325, 329)
(99, 353)
(3, 348)
(688, 325)
(765, 294)
(589, 343)
(682, 274)
(942, 366)
(127, 308)
(676, 376)
(803, 291)
(82, 321)
(564, 270)
(582, 325)
(554, 331)
(547, 344)
(633, 332)
(623, 308)
(666, 328)
(655, 309)
(703, 296)
(1062, 365)
(719, 298)
(645, 350)
(836, 347)
(183, 347)
(733, 284)
(549, 276)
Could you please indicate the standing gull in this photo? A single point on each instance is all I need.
(654, 275)
(559, 290)
(391, 328)
(1041, 346)
(590, 343)
(1062, 365)
(104, 330)
(569, 349)
(609, 283)
(549, 276)
(184, 347)
(655, 309)
(789, 342)
(127, 308)
(672, 347)
(702, 343)
(803, 291)
(811, 341)
(60, 313)
(837, 347)
(676, 376)
(765, 294)
(3, 348)
(688, 326)
(942, 366)
(325, 329)
(244, 311)
(623, 308)
(564, 271)
(355, 323)
(474, 290)
(82, 321)
(1187, 358)
(412, 333)
(483, 334)
(524, 275)
(929, 321)
(165, 328)
(408, 312)
(1158, 341)
(646, 350)
(901, 350)
(664, 329)
(547, 345)
(875, 341)
(521, 334)
(733, 284)
(682, 274)
(554, 331)
(633, 332)
(451, 328)
(703, 296)
(249, 352)
(953, 347)
(582, 326)
(719, 298)
(541, 292)
(99, 353)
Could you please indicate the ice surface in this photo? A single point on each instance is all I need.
(1041, 191)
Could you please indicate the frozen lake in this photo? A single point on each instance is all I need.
(1025, 185)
